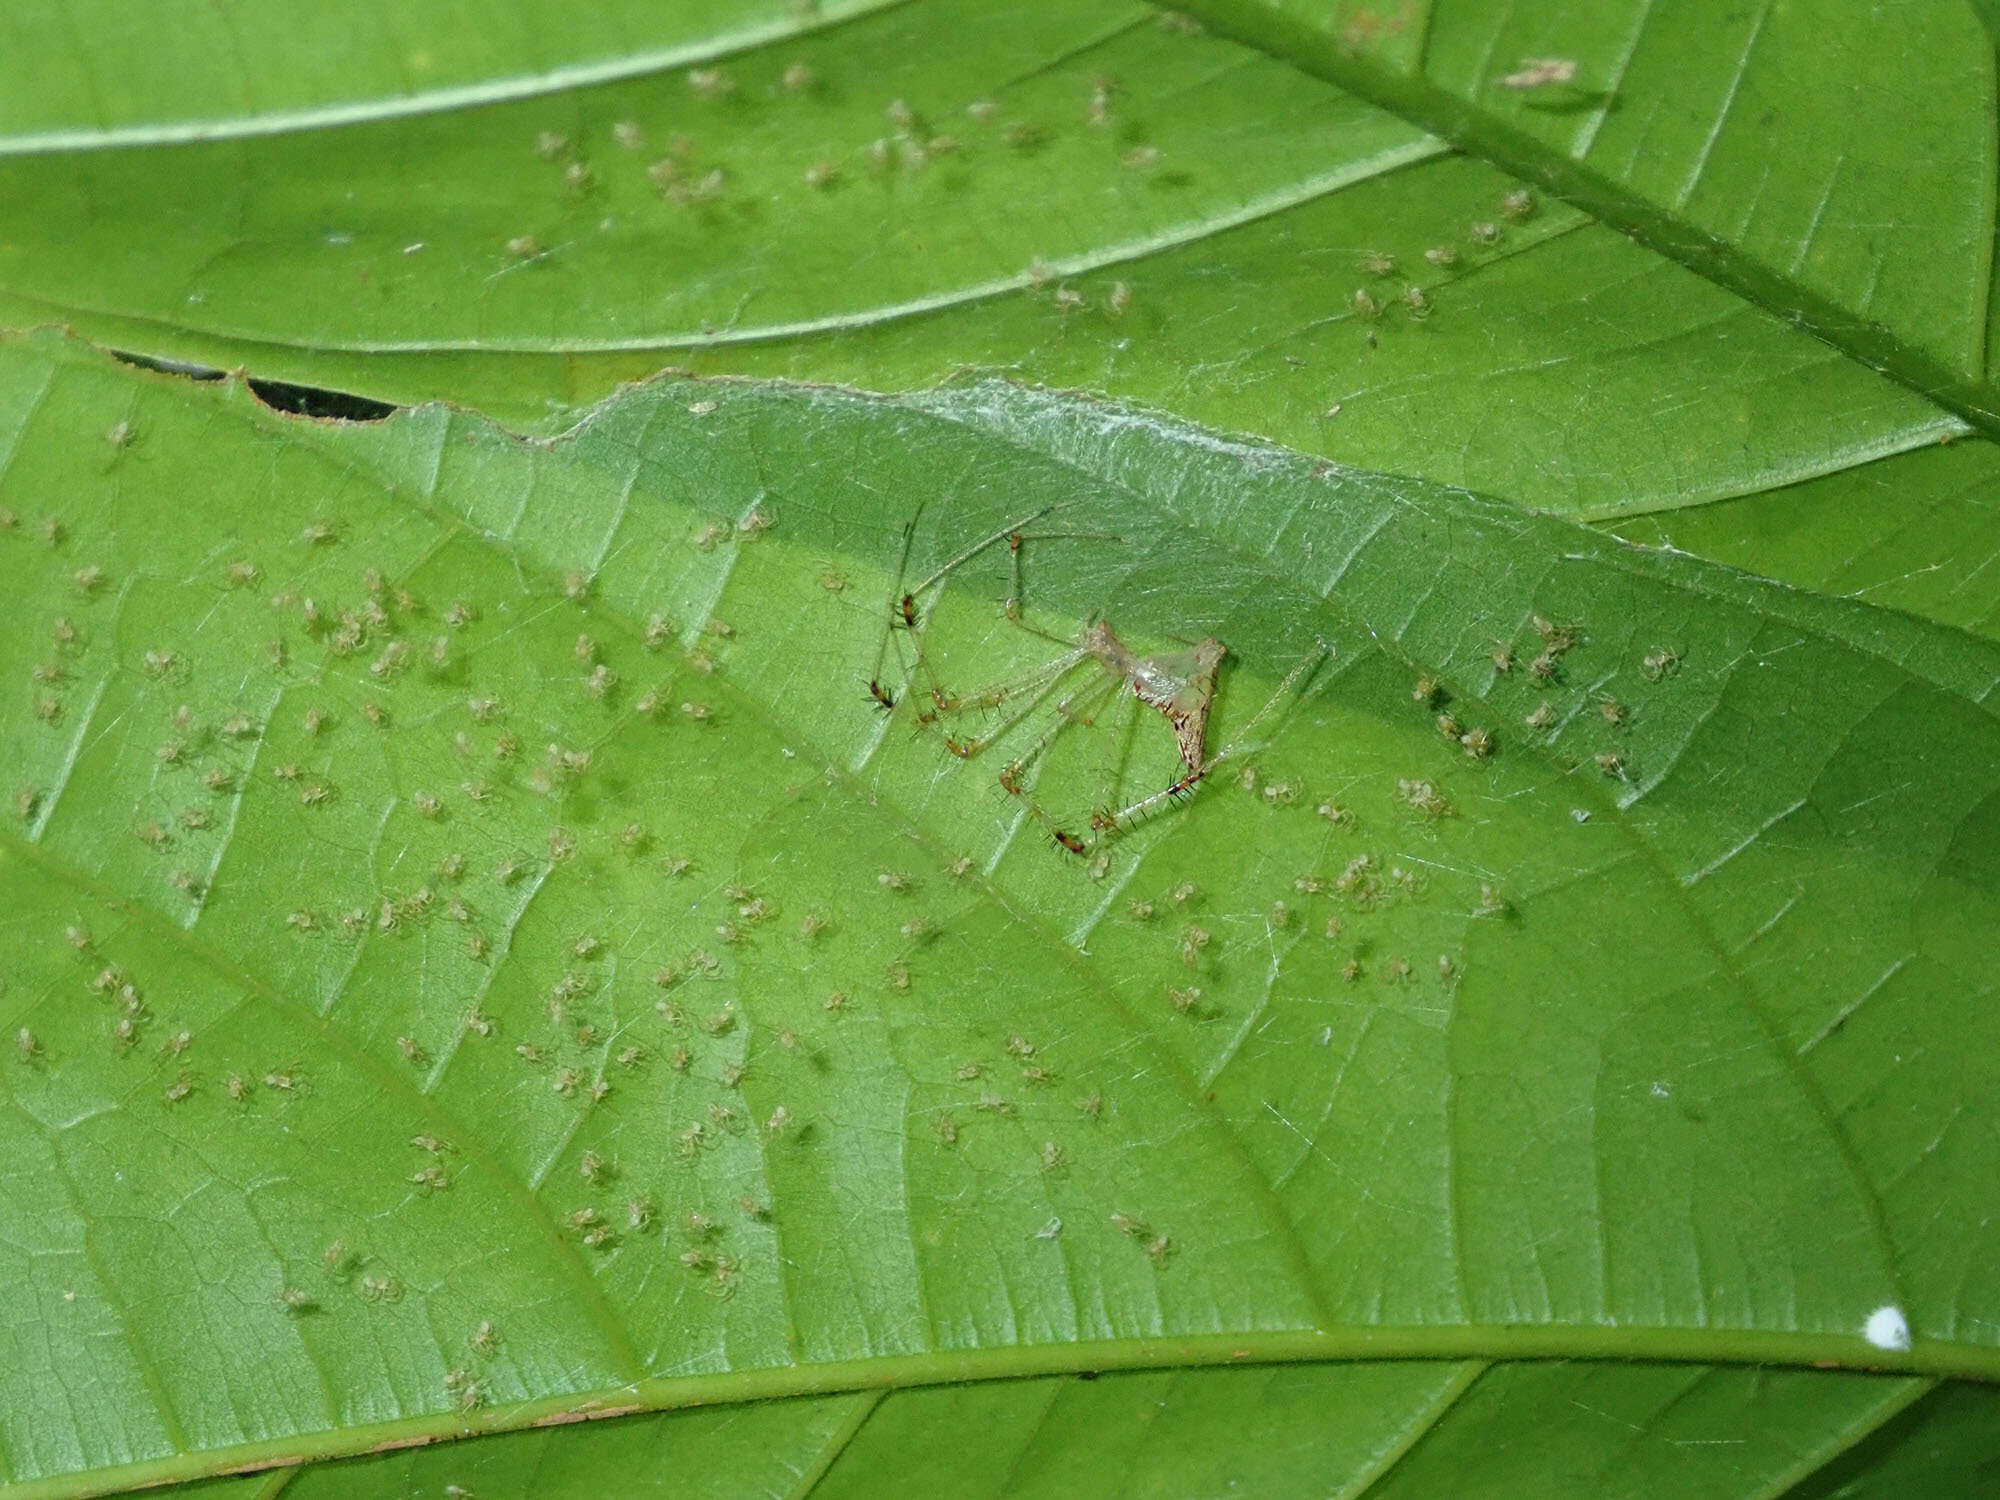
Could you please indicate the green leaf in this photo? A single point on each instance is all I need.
(1663, 1032)
(1554, 364)
(1206, 219)
(91, 76)
(1215, 271)
(1674, 126)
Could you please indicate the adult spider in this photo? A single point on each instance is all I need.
(1093, 671)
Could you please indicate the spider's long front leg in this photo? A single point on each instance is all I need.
(881, 692)
(1106, 824)
(1013, 776)
(1010, 533)
(909, 609)
(1038, 684)
(1011, 605)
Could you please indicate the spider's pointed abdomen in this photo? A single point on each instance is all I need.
(1181, 685)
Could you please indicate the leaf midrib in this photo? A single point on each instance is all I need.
(1414, 98)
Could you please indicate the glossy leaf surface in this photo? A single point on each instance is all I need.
(1672, 120)
(358, 778)
(1647, 1026)
(1216, 233)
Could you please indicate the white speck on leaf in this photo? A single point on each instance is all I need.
(1887, 1328)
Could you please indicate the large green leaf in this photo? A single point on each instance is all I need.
(1667, 1038)
(1555, 364)
(1205, 219)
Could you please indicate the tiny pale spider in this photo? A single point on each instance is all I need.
(1093, 671)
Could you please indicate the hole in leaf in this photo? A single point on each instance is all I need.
(311, 401)
(163, 366)
(279, 395)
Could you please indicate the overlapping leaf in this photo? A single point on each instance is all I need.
(447, 864)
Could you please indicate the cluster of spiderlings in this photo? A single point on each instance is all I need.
(368, 659)
(1393, 286)
(689, 166)
(325, 641)
(1598, 716)
(1476, 740)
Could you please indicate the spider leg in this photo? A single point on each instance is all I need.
(909, 602)
(1037, 685)
(908, 606)
(937, 575)
(1319, 653)
(1011, 606)
(1077, 708)
(1013, 776)
(1107, 825)
(942, 701)
(885, 696)
(1118, 761)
